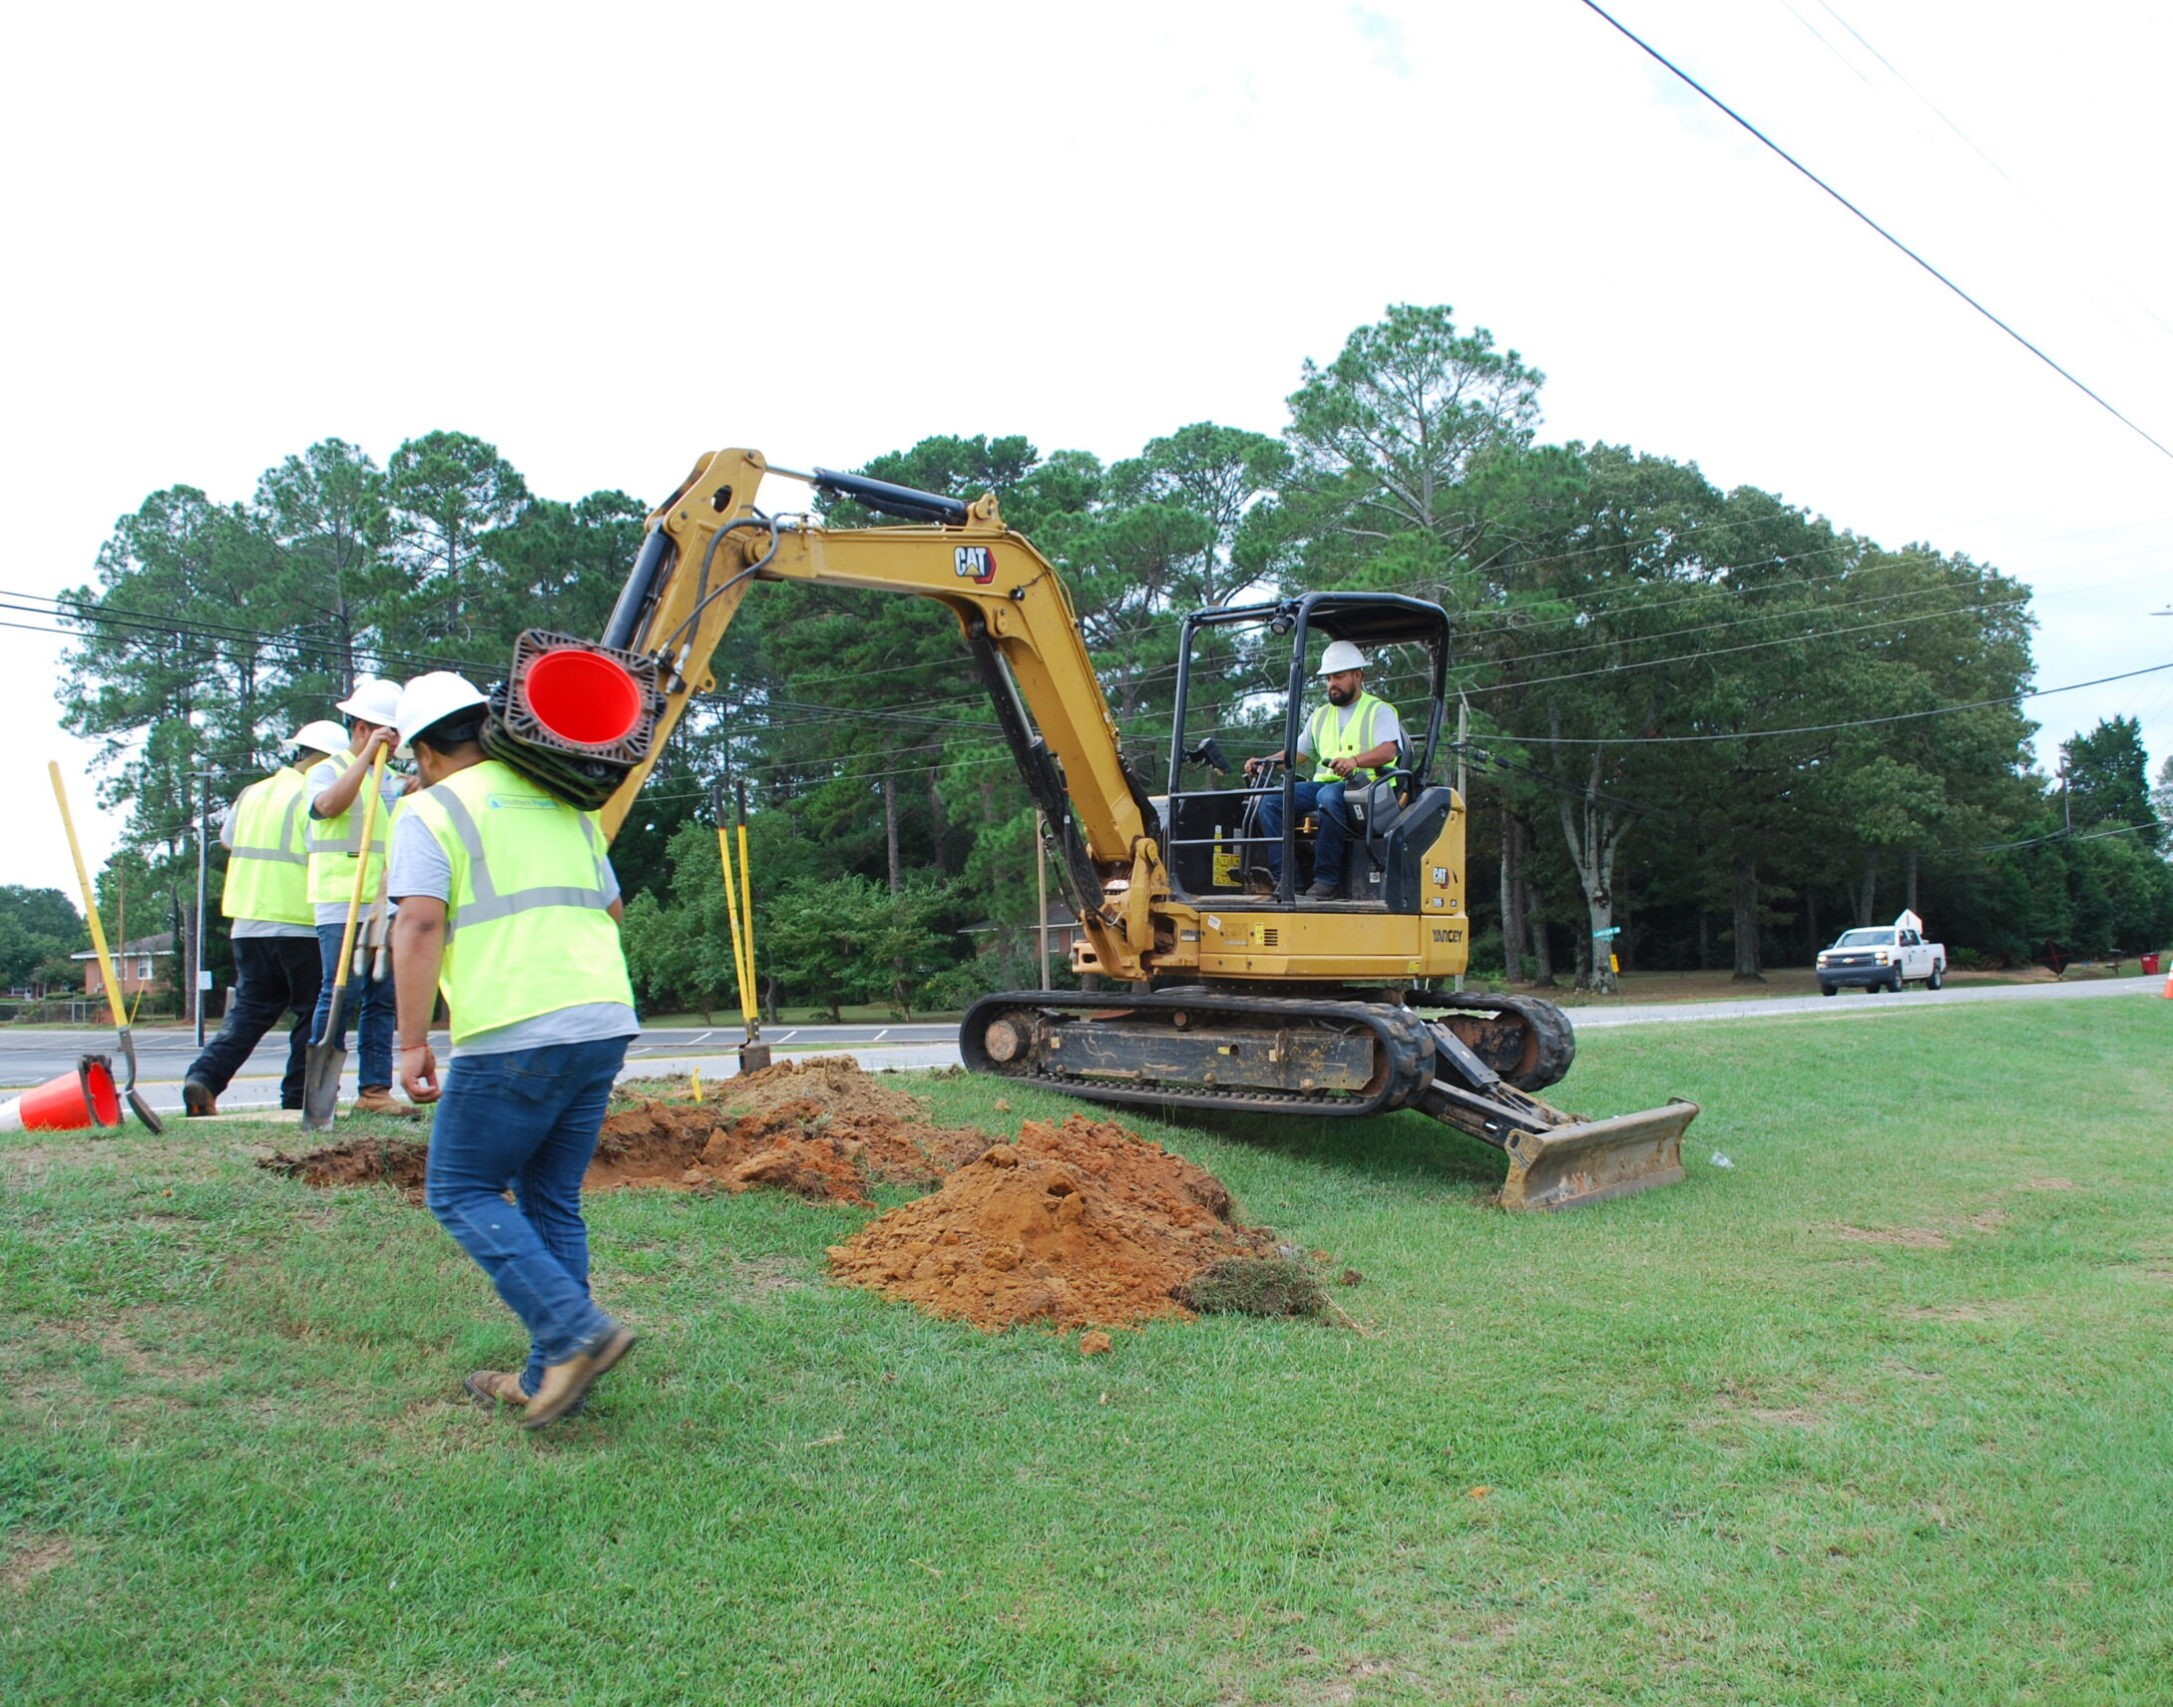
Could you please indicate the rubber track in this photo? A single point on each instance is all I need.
(1557, 1037)
(1403, 1033)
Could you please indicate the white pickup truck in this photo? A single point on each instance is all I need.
(1883, 957)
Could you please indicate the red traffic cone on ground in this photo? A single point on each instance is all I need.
(85, 1097)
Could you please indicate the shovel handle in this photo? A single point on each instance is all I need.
(362, 867)
(90, 902)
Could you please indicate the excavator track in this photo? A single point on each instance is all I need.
(1204, 1049)
(1470, 1061)
(1528, 1041)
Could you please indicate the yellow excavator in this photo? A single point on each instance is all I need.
(1205, 985)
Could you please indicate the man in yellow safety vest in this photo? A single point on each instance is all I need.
(335, 852)
(266, 896)
(509, 907)
(1353, 735)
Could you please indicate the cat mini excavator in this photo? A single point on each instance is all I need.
(1208, 985)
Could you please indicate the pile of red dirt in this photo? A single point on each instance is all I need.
(1078, 1225)
(359, 1161)
(887, 1128)
(698, 1146)
(822, 1129)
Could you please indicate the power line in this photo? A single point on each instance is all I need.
(1726, 651)
(1648, 48)
(2068, 836)
(1819, 728)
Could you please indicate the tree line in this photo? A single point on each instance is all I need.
(1712, 722)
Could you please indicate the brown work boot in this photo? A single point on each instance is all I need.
(378, 1099)
(566, 1384)
(488, 1386)
(197, 1100)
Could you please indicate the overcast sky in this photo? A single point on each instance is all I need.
(607, 239)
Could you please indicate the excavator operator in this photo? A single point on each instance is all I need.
(1353, 735)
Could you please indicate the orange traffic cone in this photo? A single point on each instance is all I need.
(2167, 992)
(85, 1097)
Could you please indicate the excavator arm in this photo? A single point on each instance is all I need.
(709, 544)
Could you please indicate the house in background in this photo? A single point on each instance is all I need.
(144, 967)
(1063, 931)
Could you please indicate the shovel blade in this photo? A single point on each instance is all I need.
(136, 1101)
(321, 1085)
(1593, 1160)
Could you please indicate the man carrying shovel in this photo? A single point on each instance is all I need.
(335, 854)
(509, 906)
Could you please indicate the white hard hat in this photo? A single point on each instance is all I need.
(322, 736)
(375, 700)
(436, 694)
(1341, 655)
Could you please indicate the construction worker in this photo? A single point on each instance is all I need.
(335, 851)
(266, 896)
(509, 907)
(1353, 735)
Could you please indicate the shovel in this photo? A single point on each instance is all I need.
(105, 960)
(376, 943)
(328, 1053)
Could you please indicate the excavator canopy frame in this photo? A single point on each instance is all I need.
(1368, 621)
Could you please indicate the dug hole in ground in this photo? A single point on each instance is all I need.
(1080, 1225)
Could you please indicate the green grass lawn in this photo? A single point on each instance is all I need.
(1882, 1413)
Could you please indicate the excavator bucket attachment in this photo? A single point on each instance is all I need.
(1589, 1161)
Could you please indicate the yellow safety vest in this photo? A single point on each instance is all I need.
(267, 873)
(1325, 741)
(526, 929)
(335, 844)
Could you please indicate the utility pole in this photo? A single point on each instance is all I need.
(198, 977)
(196, 950)
(1463, 800)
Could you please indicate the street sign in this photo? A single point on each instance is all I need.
(1605, 935)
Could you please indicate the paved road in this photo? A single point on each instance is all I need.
(32, 1057)
(163, 1055)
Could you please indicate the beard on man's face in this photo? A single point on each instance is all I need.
(1342, 693)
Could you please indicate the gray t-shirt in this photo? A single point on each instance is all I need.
(419, 867)
(243, 930)
(322, 778)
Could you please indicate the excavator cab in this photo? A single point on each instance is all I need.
(1215, 842)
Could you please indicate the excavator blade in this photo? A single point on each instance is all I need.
(1589, 1161)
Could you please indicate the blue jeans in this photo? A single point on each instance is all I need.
(273, 975)
(365, 996)
(1325, 801)
(526, 1121)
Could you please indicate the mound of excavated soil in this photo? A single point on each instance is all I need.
(359, 1161)
(1078, 1225)
(693, 1146)
(821, 1129)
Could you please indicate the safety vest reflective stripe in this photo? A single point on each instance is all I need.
(285, 853)
(267, 875)
(528, 930)
(334, 846)
(347, 833)
(488, 904)
(1328, 741)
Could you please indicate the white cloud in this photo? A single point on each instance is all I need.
(610, 239)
